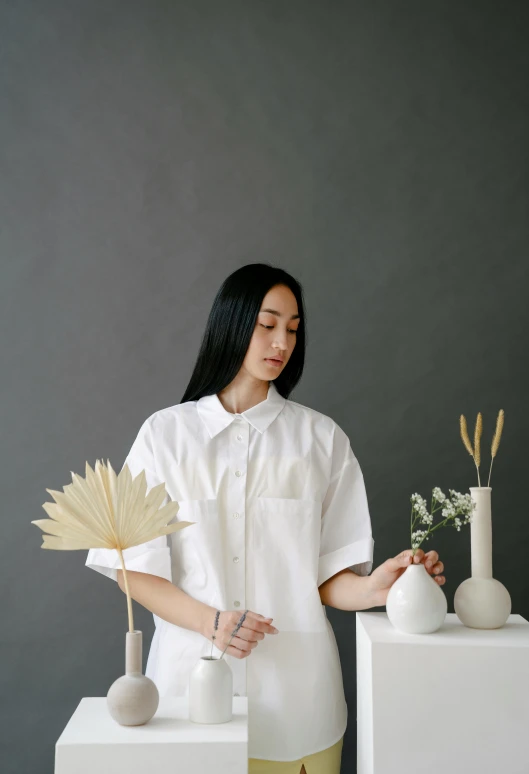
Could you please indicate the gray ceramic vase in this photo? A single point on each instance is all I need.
(481, 601)
(132, 699)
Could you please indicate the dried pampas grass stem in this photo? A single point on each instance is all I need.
(466, 440)
(475, 452)
(477, 441)
(496, 439)
(464, 435)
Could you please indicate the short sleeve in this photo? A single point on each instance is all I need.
(154, 556)
(346, 539)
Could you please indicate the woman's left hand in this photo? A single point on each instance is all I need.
(383, 578)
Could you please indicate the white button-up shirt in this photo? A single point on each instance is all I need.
(280, 506)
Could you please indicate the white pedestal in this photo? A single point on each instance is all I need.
(93, 743)
(456, 700)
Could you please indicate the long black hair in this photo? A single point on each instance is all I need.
(230, 326)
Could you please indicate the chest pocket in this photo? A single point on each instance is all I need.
(285, 551)
(196, 550)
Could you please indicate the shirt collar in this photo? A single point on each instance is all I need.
(216, 417)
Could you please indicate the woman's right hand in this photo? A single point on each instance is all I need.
(253, 629)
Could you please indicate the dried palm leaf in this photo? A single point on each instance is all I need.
(107, 511)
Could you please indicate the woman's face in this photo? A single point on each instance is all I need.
(274, 335)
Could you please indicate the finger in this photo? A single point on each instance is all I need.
(395, 563)
(430, 559)
(404, 558)
(438, 568)
(257, 623)
(259, 626)
(257, 616)
(249, 634)
(243, 645)
(419, 556)
(236, 653)
(256, 620)
(440, 579)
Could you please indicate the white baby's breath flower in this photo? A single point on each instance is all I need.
(439, 495)
(420, 509)
(418, 536)
(418, 501)
(459, 505)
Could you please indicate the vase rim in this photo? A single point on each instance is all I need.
(480, 488)
(210, 658)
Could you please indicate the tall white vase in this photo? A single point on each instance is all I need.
(481, 602)
(415, 603)
(133, 698)
(211, 691)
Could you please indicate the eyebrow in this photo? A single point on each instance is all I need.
(274, 311)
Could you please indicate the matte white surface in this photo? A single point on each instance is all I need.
(453, 702)
(93, 743)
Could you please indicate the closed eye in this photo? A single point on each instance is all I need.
(271, 326)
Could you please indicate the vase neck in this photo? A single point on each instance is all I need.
(133, 653)
(481, 533)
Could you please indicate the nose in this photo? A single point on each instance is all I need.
(281, 342)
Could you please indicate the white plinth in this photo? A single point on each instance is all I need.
(452, 702)
(93, 743)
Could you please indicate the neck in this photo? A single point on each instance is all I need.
(243, 393)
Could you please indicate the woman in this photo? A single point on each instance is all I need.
(282, 528)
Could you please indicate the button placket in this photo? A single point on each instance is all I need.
(239, 434)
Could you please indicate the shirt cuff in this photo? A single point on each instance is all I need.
(357, 556)
(155, 561)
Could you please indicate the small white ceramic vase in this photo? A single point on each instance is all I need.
(133, 698)
(211, 691)
(481, 602)
(415, 603)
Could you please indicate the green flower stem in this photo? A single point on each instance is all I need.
(432, 511)
(430, 531)
(430, 528)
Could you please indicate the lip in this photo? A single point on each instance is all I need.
(274, 360)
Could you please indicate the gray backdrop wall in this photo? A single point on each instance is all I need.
(378, 151)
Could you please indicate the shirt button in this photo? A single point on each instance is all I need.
(238, 473)
(237, 603)
(239, 437)
(235, 515)
(235, 558)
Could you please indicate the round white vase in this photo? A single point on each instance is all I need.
(211, 691)
(415, 603)
(133, 698)
(482, 602)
